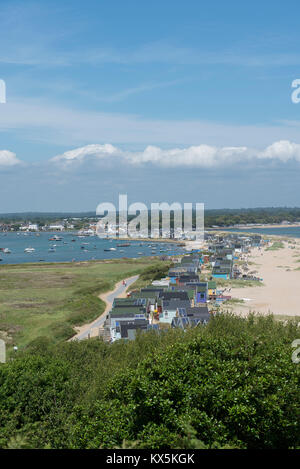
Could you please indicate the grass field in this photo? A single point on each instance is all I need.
(275, 246)
(238, 283)
(48, 300)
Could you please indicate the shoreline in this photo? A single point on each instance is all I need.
(264, 226)
(280, 270)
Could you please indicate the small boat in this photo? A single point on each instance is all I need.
(55, 238)
(51, 250)
(28, 250)
(6, 251)
(123, 245)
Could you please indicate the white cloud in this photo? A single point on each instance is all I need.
(7, 158)
(282, 151)
(194, 156)
(200, 156)
(99, 151)
(197, 156)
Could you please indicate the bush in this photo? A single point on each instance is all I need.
(231, 383)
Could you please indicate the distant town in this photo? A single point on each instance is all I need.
(86, 222)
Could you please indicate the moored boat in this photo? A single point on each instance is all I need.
(28, 250)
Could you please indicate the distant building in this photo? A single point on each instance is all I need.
(56, 227)
(33, 227)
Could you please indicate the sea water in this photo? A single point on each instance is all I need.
(82, 249)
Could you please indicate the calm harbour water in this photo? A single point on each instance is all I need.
(293, 232)
(82, 249)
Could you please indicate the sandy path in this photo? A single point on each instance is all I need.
(281, 291)
(119, 291)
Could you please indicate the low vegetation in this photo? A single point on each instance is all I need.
(156, 271)
(275, 246)
(49, 300)
(231, 383)
(238, 283)
(234, 301)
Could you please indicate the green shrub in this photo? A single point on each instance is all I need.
(231, 384)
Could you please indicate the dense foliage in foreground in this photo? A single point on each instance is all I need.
(229, 384)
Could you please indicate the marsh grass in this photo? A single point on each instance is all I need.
(238, 283)
(49, 300)
(275, 246)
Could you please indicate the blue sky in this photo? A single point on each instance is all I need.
(163, 100)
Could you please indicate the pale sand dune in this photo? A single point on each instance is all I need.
(281, 291)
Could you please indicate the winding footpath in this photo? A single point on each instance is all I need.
(88, 330)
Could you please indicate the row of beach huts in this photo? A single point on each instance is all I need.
(189, 296)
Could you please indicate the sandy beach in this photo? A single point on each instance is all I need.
(280, 293)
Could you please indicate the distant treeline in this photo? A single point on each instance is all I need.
(229, 217)
(34, 217)
(215, 217)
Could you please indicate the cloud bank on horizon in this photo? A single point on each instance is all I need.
(200, 156)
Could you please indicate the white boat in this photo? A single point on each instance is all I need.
(55, 238)
(29, 250)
